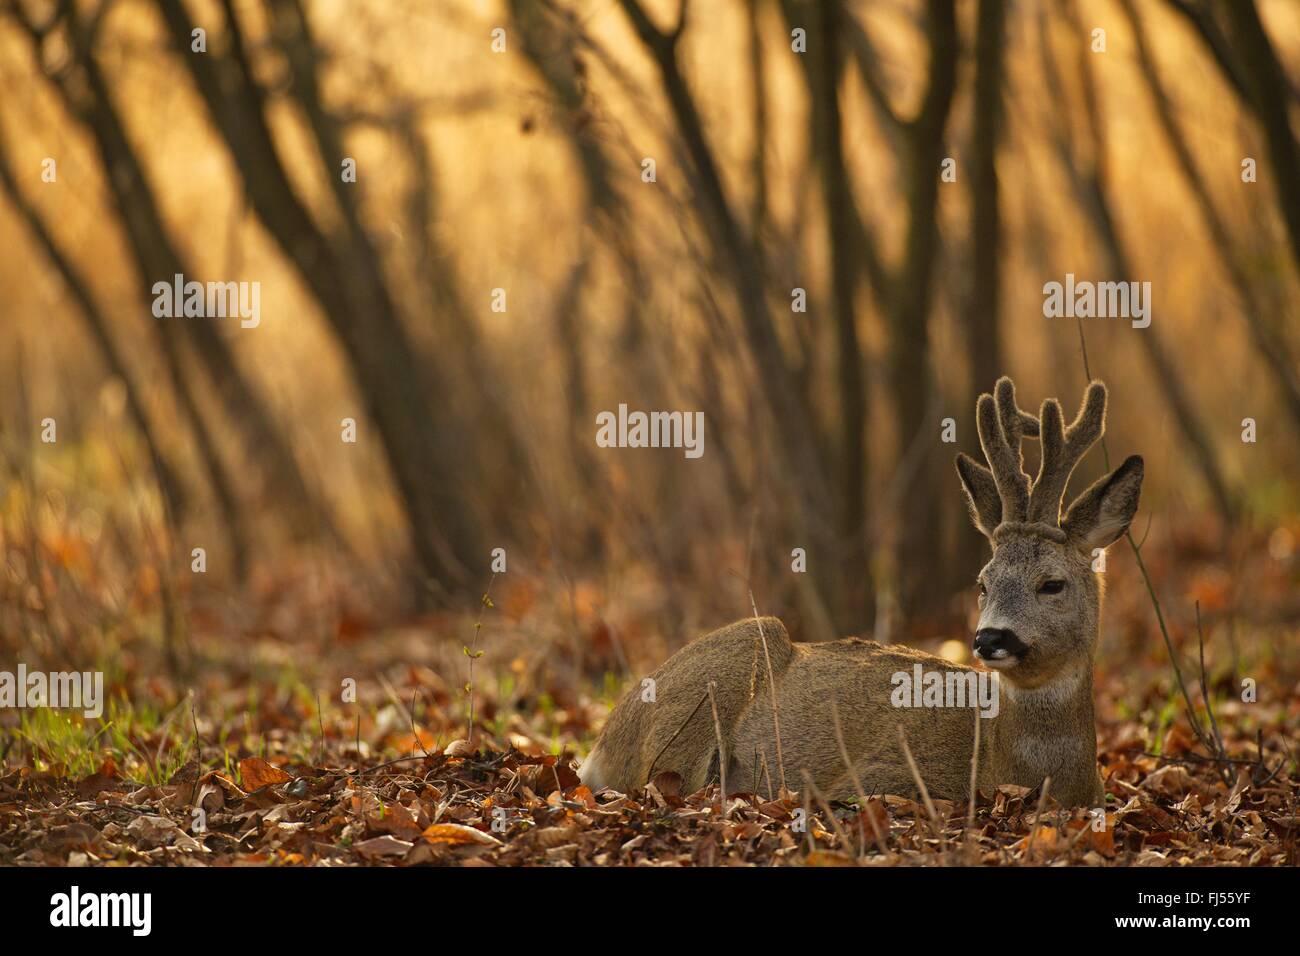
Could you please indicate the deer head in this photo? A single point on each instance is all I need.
(1039, 597)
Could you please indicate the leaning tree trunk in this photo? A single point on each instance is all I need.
(982, 318)
(824, 65)
(425, 453)
(86, 93)
(919, 541)
(1269, 97)
(1271, 347)
(1090, 190)
(804, 485)
(171, 491)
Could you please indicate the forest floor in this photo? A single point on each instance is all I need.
(300, 737)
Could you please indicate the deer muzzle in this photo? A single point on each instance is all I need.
(998, 644)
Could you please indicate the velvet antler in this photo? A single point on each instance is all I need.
(1003, 425)
(1063, 449)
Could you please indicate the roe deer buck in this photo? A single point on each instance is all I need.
(1039, 603)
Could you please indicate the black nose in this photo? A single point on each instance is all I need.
(991, 639)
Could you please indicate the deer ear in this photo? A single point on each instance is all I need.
(981, 494)
(1102, 513)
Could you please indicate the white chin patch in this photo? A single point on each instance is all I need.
(1000, 660)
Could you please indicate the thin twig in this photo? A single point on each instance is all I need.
(722, 755)
(974, 771)
(651, 772)
(388, 763)
(198, 748)
(1205, 693)
(771, 683)
(198, 741)
(807, 817)
(1087, 825)
(472, 652)
(415, 733)
(1146, 578)
(1169, 644)
(920, 784)
(826, 809)
(320, 723)
(863, 809)
(1196, 760)
(1038, 814)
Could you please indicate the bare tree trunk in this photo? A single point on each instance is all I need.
(552, 51)
(1090, 188)
(1266, 86)
(1272, 348)
(909, 317)
(823, 68)
(801, 458)
(503, 464)
(262, 440)
(171, 491)
(758, 93)
(983, 329)
(421, 444)
(904, 292)
(983, 308)
(293, 34)
(84, 90)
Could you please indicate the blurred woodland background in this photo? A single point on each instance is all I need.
(514, 161)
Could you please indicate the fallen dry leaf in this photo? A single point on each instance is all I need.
(256, 773)
(1172, 780)
(102, 779)
(397, 820)
(458, 834)
(382, 847)
(668, 783)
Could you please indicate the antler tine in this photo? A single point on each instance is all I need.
(1016, 422)
(1063, 449)
(1010, 478)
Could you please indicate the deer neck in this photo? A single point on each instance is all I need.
(1048, 731)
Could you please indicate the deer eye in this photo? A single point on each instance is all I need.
(983, 590)
(1054, 586)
